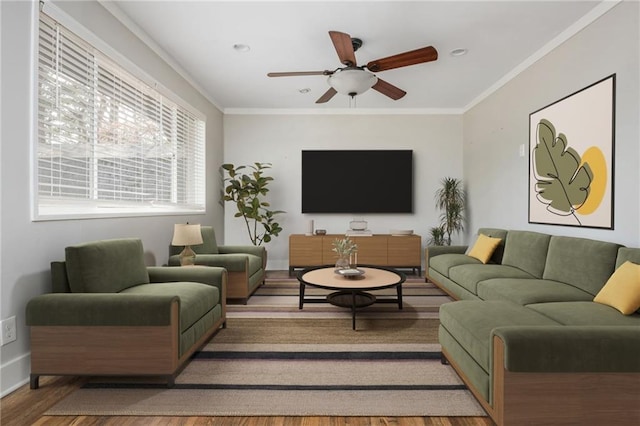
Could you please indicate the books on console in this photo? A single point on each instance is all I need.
(359, 233)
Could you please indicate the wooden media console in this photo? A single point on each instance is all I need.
(401, 251)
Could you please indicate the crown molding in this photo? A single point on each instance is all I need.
(343, 111)
(146, 39)
(572, 30)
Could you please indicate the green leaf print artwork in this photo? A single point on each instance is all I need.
(562, 184)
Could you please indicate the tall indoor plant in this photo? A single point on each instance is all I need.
(247, 191)
(450, 198)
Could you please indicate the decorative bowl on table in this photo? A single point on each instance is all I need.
(350, 272)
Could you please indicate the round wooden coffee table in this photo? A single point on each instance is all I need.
(351, 291)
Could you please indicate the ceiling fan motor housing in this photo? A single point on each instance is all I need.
(356, 43)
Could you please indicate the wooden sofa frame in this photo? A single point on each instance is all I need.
(113, 350)
(556, 398)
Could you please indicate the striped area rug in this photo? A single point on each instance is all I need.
(275, 360)
(290, 380)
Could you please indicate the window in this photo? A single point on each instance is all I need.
(108, 144)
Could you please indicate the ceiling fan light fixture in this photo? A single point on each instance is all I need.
(352, 82)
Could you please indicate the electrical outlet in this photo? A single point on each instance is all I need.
(8, 330)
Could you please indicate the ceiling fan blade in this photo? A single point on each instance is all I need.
(389, 90)
(413, 57)
(344, 47)
(327, 96)
(295, 73)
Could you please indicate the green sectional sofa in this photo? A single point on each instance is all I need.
(526, 335)
(109, 314)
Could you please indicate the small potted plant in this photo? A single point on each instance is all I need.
(344, 248)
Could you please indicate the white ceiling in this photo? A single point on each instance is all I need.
(501, 37)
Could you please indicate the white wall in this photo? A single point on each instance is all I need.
(28, 247)
(497, 177)
(436, 141)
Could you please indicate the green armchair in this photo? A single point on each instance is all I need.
(109, 314)
(245, 264)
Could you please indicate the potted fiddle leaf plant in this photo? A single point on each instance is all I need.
(450, 198)
(248, 191)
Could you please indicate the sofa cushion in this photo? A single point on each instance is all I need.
(106, 266)
(526, 291)
(484, 247)
(526, 250)
(468, 276)
(583, 263)
(209, 244)
(628, 254)
(470, 322)
(444, 262)
(585, 313)
(196, 299)
(231, 262)
(622, 290)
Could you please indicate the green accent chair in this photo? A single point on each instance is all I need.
(111, 315)
(246, 264)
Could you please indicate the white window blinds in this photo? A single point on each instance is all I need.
(108, 144)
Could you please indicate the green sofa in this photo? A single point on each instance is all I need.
(109, 314)
(245, 264)
(526, 336)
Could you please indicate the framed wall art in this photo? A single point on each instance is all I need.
(571, 158)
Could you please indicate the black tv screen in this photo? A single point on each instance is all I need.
(357, 181)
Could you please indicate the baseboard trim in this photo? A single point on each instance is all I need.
(15, 374)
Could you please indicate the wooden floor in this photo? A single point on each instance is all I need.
(26, 407)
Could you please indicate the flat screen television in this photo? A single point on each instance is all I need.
(357, 181)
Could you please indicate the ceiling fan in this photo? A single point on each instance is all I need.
(354, 80)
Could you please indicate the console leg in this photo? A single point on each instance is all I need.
(34, 381)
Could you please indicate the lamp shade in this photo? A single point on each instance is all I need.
(186, 235)
(352, 82)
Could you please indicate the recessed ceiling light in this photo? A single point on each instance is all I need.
(305, 90)
(241, 47)
(458, 52)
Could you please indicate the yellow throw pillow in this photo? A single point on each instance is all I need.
(484, 248)
(622, 290)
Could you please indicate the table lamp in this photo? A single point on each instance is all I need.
(186, 235)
